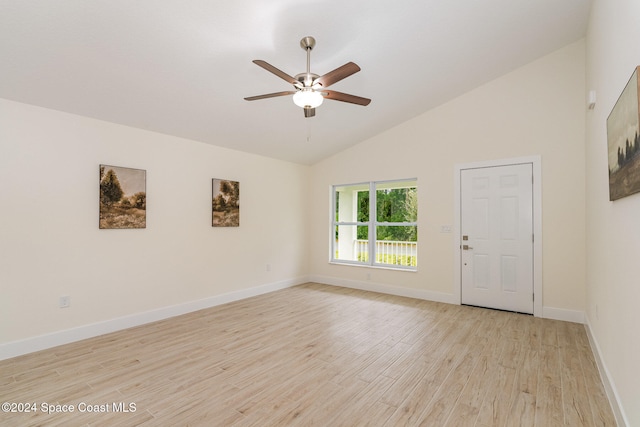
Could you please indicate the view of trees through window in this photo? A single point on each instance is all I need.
(392, 205)
(389, 211)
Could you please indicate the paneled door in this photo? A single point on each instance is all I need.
(497, 237)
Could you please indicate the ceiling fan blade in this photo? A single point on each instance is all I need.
(284, 76)
(309, 112)
(270, 95)
(338, 74)
(345, 97)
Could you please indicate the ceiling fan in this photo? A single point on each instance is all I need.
(311, 89)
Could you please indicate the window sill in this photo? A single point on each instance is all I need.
(377, 267)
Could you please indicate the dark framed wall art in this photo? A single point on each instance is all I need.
(123, 197)
(623, 141)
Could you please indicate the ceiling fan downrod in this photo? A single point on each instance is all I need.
(308, 43)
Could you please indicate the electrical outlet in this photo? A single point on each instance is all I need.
(65, 301)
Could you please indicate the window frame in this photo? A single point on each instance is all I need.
(372, 225)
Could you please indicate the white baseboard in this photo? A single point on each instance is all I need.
(29, 345)
(386, 289)
(574, 316)
(609, 386)
(547, 312)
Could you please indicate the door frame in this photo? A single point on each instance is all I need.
(536, 163)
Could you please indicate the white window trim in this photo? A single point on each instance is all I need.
(371, 224)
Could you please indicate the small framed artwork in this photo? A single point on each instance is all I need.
(225, 203)
(623, 141)
(123, 197)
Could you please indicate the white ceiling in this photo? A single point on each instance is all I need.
(183, 67)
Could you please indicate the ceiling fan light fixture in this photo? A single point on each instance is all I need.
(308, 98)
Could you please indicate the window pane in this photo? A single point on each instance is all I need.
(397, 245)
(349, 243)
(398, 203)
(352, 203)
(391, 221)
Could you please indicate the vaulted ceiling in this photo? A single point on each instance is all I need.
(183, 67)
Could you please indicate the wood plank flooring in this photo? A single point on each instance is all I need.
(316, 355)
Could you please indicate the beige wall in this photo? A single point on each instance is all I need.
(535, 110)
(50, 244)
(53, 246)
(613, 228)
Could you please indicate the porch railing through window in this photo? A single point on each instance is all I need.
(389, 252)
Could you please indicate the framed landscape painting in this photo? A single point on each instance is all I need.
(225, 203)
(123, 197)
(623, 142)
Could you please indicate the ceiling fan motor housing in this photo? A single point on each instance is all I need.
(306, 79)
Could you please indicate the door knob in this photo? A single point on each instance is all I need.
(466, 247)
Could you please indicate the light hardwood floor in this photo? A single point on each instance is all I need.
(317, 355)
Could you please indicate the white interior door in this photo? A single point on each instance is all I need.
(497, 237)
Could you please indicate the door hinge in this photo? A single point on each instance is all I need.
(533, 238)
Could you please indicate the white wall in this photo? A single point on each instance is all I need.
(535, 110)
(613, 228)
(50, 244)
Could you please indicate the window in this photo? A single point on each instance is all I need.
(375, 223)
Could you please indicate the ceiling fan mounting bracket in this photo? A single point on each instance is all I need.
(307, 43)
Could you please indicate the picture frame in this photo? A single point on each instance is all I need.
(225, 203)
(623, 141)
(123, 197)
